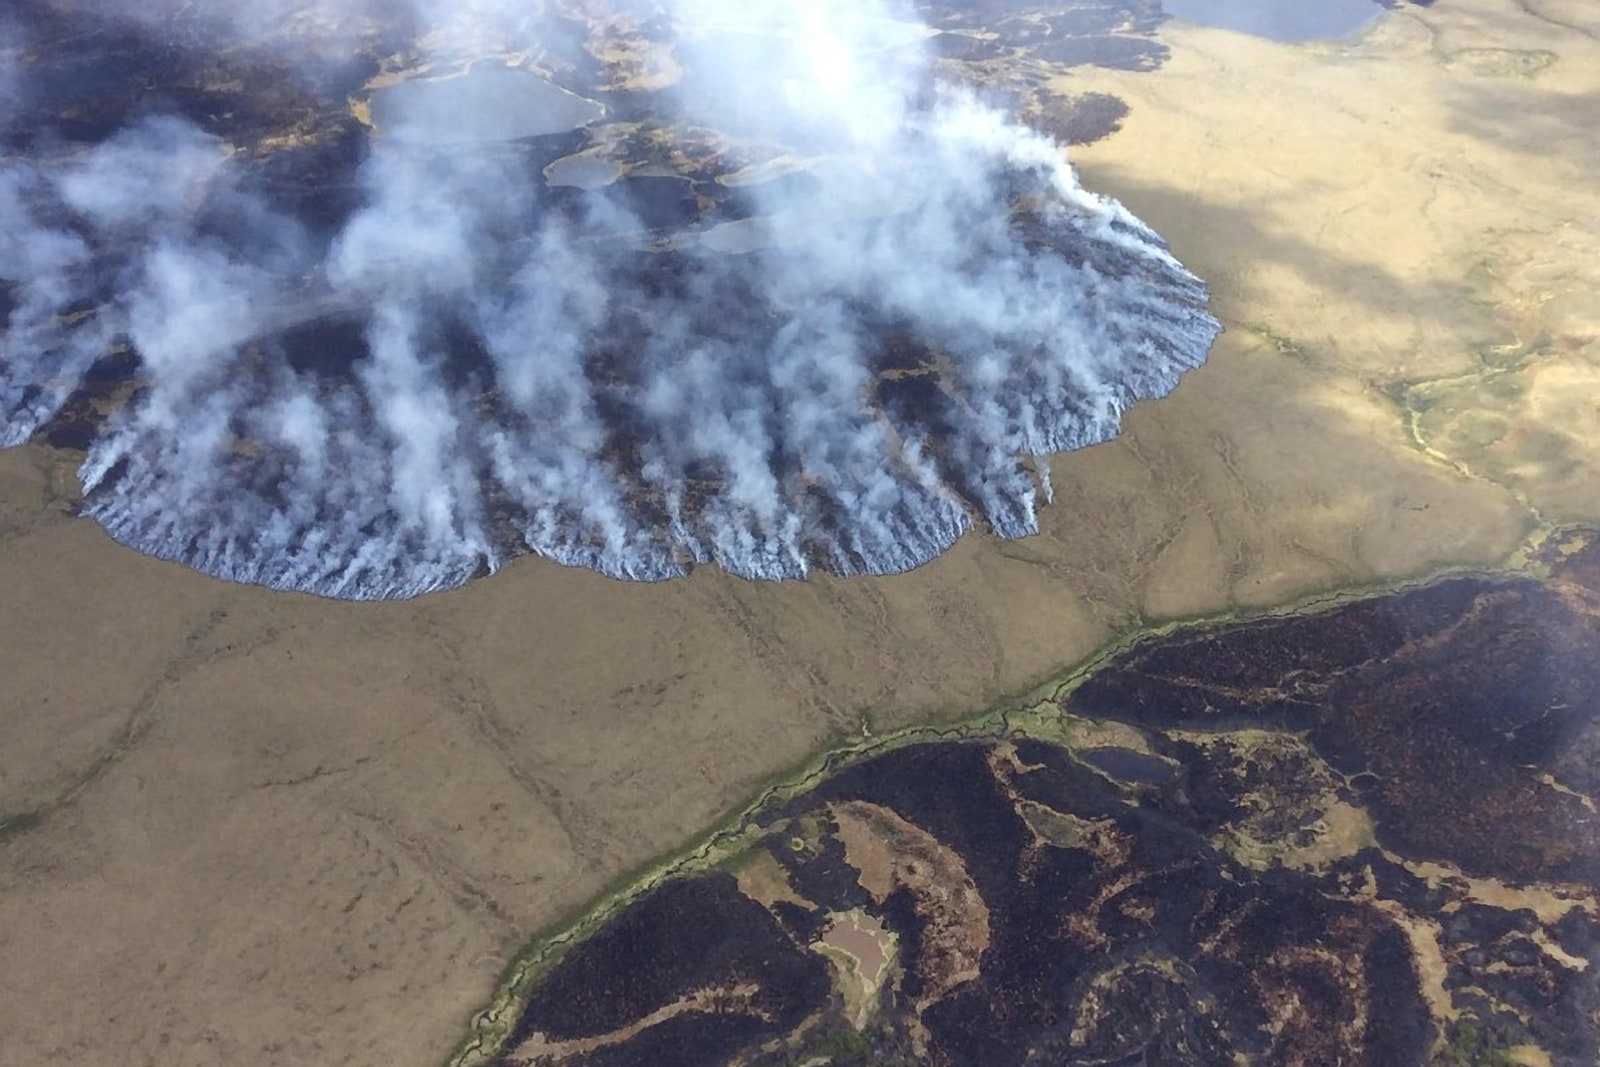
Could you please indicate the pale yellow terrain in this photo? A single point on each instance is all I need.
(269, 829)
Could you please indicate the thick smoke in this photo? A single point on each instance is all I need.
(466, 368)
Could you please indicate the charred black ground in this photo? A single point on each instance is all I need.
(1202, 885)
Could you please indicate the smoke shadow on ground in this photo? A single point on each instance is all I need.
(1239, 249)
(1517, 114)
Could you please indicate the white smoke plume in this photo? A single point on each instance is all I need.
(468, 368)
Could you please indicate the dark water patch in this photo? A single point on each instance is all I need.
(582, 172)
(1279, 20)
(1062, 785)
(487, 103)
(1129, 766)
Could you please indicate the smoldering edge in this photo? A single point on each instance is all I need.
(466, 368)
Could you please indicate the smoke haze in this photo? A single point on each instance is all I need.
(914, 296)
